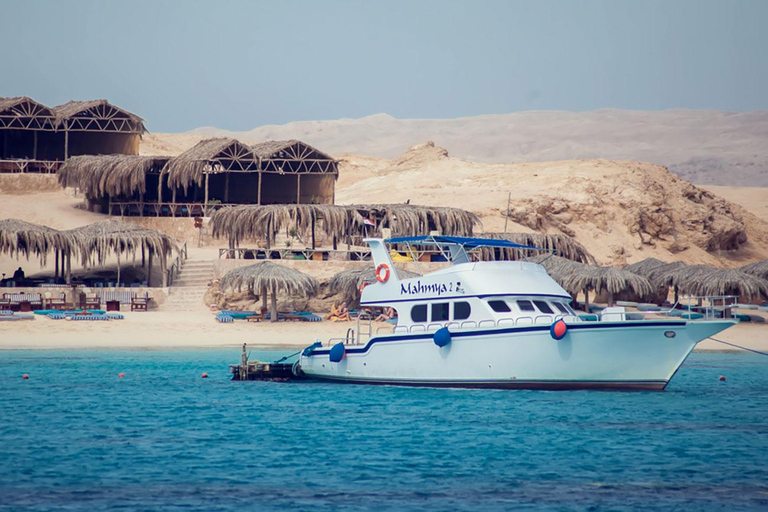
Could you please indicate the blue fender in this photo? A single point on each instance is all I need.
(337, 353)
(442, 337)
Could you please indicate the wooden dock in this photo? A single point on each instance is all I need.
(258, 370)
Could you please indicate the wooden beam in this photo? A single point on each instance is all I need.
(298, 189)
(149, 269)
(66, 143)
(259, 193)
(69, 268)
(205, 208)
(34, 145)
(226, 187)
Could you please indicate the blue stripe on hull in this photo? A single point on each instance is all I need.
(653, 385)
(511, 330)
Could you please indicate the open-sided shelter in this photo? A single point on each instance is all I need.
(36, 138)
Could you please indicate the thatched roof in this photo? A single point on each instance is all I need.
(189, 167)
(348, 282)
(563, 245)
(759, 269)
(115, 236)
(9, 107)
(576, 277)
(109, 175)
(21, 237)
(272, 149)
(81, 109)
(702, 280)
(269, 276)
(264, 222)
(415, 220)
(607, 279)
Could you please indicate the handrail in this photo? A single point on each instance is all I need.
(175, 267)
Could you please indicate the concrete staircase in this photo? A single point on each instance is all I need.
(188, 290)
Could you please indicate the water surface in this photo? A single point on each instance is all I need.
(76, 437)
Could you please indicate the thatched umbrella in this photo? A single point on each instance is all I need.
(349, 281)
(759, 269)
(109, 175)
(415, 220)
(96, 241)
(267, 276)
(563, 245)
(705, 281)
(266, 221)
(25, 238)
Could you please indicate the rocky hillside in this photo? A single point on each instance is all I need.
(622, 211)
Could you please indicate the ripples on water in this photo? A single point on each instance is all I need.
(76, 437)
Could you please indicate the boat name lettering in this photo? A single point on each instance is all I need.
(435, 288)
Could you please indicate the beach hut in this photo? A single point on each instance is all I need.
(95, 242)
(18, 237)
(267, 277)
(417, 220)
(349, 282)
(562, 245)
(96, 127)
(123, 179)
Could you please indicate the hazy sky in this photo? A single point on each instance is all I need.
(238, 64)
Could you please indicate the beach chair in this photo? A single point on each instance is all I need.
(140, 303)
(90, 301)
(57, 301)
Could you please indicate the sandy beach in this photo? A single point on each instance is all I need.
(178, 330)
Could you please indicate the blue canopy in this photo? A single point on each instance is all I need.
(469, 243)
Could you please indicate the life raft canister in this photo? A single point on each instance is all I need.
(382, 273)
(558, 329)
(337, 353)
(442, 337)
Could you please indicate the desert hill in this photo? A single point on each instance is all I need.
(702, 146)
(622, 211)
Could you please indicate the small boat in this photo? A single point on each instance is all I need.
(497, 324)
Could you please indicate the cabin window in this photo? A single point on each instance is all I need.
(461, 310)
(561, 307)
(499, 306)
(525, 305)
(440, 312)
(419, 313)
(543, 307)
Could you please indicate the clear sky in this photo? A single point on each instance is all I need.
(237, 64)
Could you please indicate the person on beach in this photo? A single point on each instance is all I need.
(342, 314)
(387, 314)
(19, 275)
(334, 311)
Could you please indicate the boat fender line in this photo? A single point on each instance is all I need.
(558, 329)
(382, 273)
(337, 353)
(442, 337)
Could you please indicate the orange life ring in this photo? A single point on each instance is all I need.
(382, 273)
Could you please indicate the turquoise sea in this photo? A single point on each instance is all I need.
(76, 437)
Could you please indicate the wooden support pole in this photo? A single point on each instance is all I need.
(313, 231)
(273, 296)
(173, 201)
(34, 145)
(66, 143)
(69, 268)
(56, 271)
(117, 284)
(143, 256)
(263, 297)
(149, 269)
(586, 300)
(298, 189)
(226, 187)
(163, 270)
(205, 208)
(160, 192)
(258, 201)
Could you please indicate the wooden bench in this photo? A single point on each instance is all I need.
(24, 301)
(57, 301)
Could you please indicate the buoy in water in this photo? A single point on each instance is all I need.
(722, 378)
(121, 375)
(25, 376)
(204, 375)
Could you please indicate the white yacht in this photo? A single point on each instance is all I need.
(500, 324)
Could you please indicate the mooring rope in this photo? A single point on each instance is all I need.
(738, 346)
(297, 353)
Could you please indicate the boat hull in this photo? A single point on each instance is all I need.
(641, 355)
